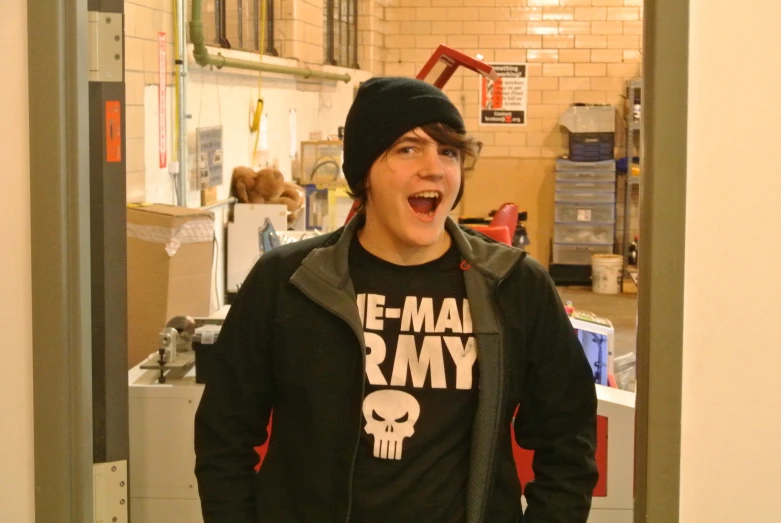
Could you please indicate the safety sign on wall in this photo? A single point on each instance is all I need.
(208, 145)
(503, 101)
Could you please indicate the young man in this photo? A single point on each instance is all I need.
(394, 353)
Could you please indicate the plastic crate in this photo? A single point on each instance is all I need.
(585, 197)
(583, 234)
(568, 164)
(586, 186)
(578, 254)
(591, 147)
(588, 213)
(586, 176)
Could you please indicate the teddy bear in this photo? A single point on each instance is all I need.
(267, 186)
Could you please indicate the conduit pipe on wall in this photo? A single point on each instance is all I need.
(181, 101)
(203, 58)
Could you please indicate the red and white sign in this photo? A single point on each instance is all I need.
(161, 99)
(503, 100)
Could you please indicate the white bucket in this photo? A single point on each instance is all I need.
(607, 273)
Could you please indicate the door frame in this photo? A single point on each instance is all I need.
(61, 249)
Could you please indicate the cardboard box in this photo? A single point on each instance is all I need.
(242, 252)
(170, 255)
(243, 244)
(321, 161)
(255, 214)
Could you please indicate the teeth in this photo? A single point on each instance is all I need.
(426, 194)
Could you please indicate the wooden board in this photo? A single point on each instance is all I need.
(208, 196)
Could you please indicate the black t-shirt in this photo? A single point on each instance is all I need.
(421, 385)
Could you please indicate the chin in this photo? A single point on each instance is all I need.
(426, 234)
(424, 240)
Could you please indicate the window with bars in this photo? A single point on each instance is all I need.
(236, 24)
(340, 32)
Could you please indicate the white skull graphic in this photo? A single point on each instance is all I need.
(390, 417)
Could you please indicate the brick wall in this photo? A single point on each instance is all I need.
(576, 51)
(143, 20)
(300, 33)
(372, 28)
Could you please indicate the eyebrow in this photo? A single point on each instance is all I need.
(417, 140)
(414, 139)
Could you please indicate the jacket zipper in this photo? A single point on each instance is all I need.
(502, 340)
(363, 392)
(500, 404)
(358, 437)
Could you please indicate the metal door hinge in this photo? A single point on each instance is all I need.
(110, 492)
(106, 62)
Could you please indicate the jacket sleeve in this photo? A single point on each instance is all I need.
(234, 410)
(557, 417)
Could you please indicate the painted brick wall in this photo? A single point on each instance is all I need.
(143, 20)
(298, 36)
(301, 30)
(577, 51)
(372, 28)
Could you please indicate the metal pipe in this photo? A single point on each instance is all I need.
(222, 203)
(182, 101)
(203, 58)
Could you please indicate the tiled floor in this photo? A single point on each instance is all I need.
(620, 309)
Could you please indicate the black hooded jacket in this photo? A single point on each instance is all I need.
(529, 356)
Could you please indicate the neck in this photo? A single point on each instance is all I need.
(377, 240)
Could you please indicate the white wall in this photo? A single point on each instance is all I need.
(731, 423)
(227, 98)
(16, 405)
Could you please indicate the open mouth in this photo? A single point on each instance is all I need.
(425, 203)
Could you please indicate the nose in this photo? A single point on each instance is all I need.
(431, 163)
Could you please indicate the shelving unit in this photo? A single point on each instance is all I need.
(585, 204)
(633, 148)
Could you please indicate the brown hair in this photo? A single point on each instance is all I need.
(467, 146)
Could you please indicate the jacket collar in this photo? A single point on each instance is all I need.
(491, 258)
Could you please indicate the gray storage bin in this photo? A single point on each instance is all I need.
(563, 164)
(577, 233)
(585, 186)
(589, 118)
(578, 254)
(585, 197)
(585, 213)
(586, 176)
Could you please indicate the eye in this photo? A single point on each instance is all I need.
(405, 150)
(377, 417)
(403, 419)
(450, 152)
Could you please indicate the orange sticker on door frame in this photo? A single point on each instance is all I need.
(113, 132)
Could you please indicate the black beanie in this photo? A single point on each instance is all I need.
(383, 110)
